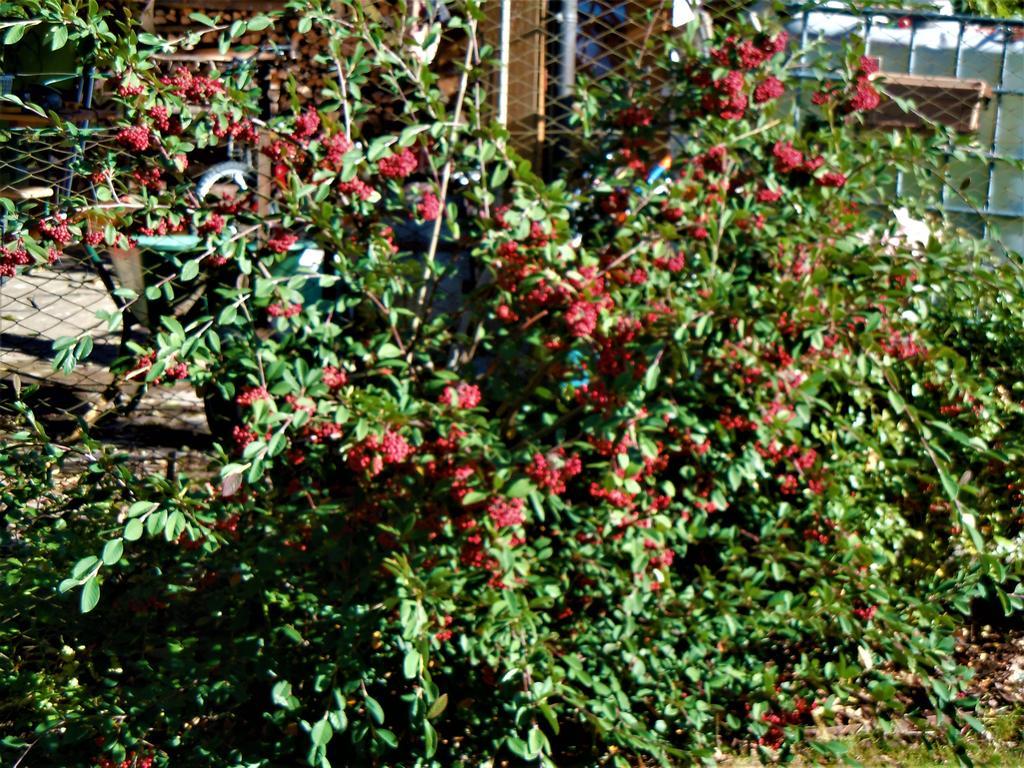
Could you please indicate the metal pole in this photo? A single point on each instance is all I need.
(993, 157)
(567, 71)
(506, 42)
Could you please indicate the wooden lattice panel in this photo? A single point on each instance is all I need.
(951, 101)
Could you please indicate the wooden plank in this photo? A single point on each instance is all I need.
(527, 78)
(264, 176)
(203, 55)
(223, 5)
(32, 119)
(26, 193)
(950, 101)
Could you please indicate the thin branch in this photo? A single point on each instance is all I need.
(446, 175)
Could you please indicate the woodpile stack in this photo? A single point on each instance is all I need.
(282, 51)
(273, 47)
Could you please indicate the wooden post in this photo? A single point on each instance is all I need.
(264, 176)
(525, 79)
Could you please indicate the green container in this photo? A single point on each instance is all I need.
(156, 258)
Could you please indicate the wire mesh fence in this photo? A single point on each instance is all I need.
(961, 72)
(938, 70)
(958, 71)
(69, 302)
(553, 42)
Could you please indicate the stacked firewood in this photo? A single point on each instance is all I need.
(283, 51)
(272, 46)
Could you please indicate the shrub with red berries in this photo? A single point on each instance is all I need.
(589, 471)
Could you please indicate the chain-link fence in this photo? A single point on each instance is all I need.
(61, 322)
(957, 71)
(552, 43)
(547, 44)
(962, 72)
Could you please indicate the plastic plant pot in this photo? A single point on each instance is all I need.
(304, 258)
(146, 265)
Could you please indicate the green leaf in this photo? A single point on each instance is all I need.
(520, 489)
(408, 136)
(897, 402)
(83, 566)
(155, 523)
(388, 351)
(411, 664)
(281, 695)
(321, 733)
(83, 348)
(190, 270)
(112, 551)
(259, 23)
(498, 175)
(518, 747)
(651, 377)
(227, 315)
(140, 508)
(437, 707)
(536, 741)
(133, 530)
(429, 739)
(949, 485)
(90, 595)
(549, 715)
(15, 33)
(378, 148)
(58, 37)
(974, 722)
(175, 525)
(375, 710)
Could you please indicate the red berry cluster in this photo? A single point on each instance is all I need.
(374, 452)
(779, 720)
(335, 378)
(791, 162)
(250, 395)
(429, 207)
(634, 117)
(398, 166)
(505, 513)
(131, 760)
(282, 242)
(12, 257)
(860, 96)
(284, 310)
(728, 96)
(56, 229)
(464, 396)
(306, 124)
(243, 130)
(197, 89)
(551, 472)
(336, 147)
(135, 137)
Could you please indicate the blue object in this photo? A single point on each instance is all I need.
(575, 358)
